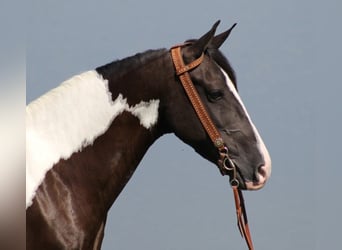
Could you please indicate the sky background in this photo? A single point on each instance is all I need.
(287, 57)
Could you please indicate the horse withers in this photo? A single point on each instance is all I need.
(85, 138)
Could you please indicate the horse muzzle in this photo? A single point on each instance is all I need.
(228, 166)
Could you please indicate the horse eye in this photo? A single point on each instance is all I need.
(215, 95)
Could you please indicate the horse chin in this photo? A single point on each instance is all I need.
(238, 179)
(250, 185)
(254, 186)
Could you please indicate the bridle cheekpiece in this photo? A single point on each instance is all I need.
(225, 163)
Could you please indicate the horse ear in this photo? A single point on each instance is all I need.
(218, 40)
(200, 45)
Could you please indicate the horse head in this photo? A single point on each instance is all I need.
(215, 82)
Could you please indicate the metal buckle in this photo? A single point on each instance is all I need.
(228, 164)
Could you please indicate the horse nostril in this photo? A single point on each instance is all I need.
(261, 174)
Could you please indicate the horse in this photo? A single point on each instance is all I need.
(86, 137)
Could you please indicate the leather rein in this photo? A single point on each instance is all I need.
(225, 163)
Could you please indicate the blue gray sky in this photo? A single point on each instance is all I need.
(287, 58)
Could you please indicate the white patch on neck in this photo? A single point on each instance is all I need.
(261, 144)
(147, 112)
(70, 117)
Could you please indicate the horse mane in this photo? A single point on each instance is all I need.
(119, 68)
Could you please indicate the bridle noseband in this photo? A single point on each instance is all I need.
(225, 163)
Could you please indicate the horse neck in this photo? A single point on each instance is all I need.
(118, 153)
(140, 124)
(96, 130)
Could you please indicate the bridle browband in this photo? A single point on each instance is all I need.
(225, 163)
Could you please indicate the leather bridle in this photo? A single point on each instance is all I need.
(225, 163)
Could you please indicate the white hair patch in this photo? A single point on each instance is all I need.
(261, 145)
(70, 117)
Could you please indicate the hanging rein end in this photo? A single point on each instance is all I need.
(226, 165)
(241, 214)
